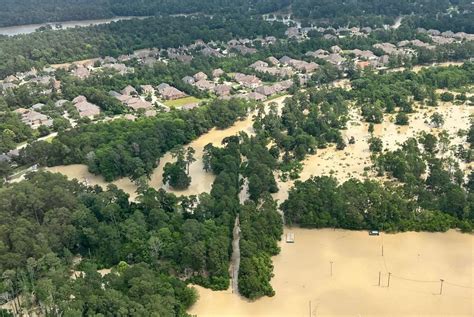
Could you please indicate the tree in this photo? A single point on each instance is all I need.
(447, 97)
(401, 119)
(375, 145)
(189, 157)
(372, 113)
(371, 128)
(437, 119)
(175, 174)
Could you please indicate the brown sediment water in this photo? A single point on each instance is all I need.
(201, 181)
(417, 261)
(82, 174)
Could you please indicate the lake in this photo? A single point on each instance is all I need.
(30, 28)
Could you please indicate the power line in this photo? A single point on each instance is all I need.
(458, 285)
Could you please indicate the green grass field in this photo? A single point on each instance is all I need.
(181, 102)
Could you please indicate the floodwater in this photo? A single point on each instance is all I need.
(30, 28)
(304, 285)
(82, 174)
(201, 181)
(353, 161)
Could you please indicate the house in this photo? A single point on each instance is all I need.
(249, 81)
(137, 103)
(34, 119)
(147, 89)
(255, 96)
(244, 50)
(122, 69)
(335, 59)
(285, 60)
(81, 72)
(188, 80)
(303, 66)
(204, 84)
(85, 108)
(272, 60)
(171, 93)
(258, 64)
(222, 90)
(60, 103)
(217, 73)
(363, 64)
(199, 76)
(265, 90)
(276, 71)
(336, 49)
(38, 106)
(6, 86)
(10, 79)
(129, 91)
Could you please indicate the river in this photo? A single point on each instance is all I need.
(30, 28)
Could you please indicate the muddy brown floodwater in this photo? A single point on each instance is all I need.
(201, 180)
(416, 261)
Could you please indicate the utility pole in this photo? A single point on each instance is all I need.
(441, 287)
(388, 283)
(382, 249)
(380, 275)
(331, 267)
(310, 309)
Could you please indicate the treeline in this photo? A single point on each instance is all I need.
(30, 12)
(20, 53)
(261, 229)
(398, 91)
(376, 13)
(127, 148)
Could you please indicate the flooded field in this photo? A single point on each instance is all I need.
(303, 281)
(355, 157)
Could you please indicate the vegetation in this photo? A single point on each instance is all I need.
(126, 148)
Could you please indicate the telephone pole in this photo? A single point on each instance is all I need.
(380, 275)
(388, 283)
(310, 309)
(441, 287)
(331, 267)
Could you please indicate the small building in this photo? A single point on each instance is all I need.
(217, 73)
(129, 91)
(188, 80)
(85, 108)
(171, 93)
(290, 237)
(199, 76)
(34, 119)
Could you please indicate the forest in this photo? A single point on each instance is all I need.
(18, 12)
(441, 14)
(50, 225)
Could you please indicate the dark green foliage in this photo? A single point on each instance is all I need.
(12, 131)
(401, 118)
(375, 145)
(321, 202)
(261, 229)
(126, 148)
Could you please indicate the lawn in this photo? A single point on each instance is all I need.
(181, 102)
